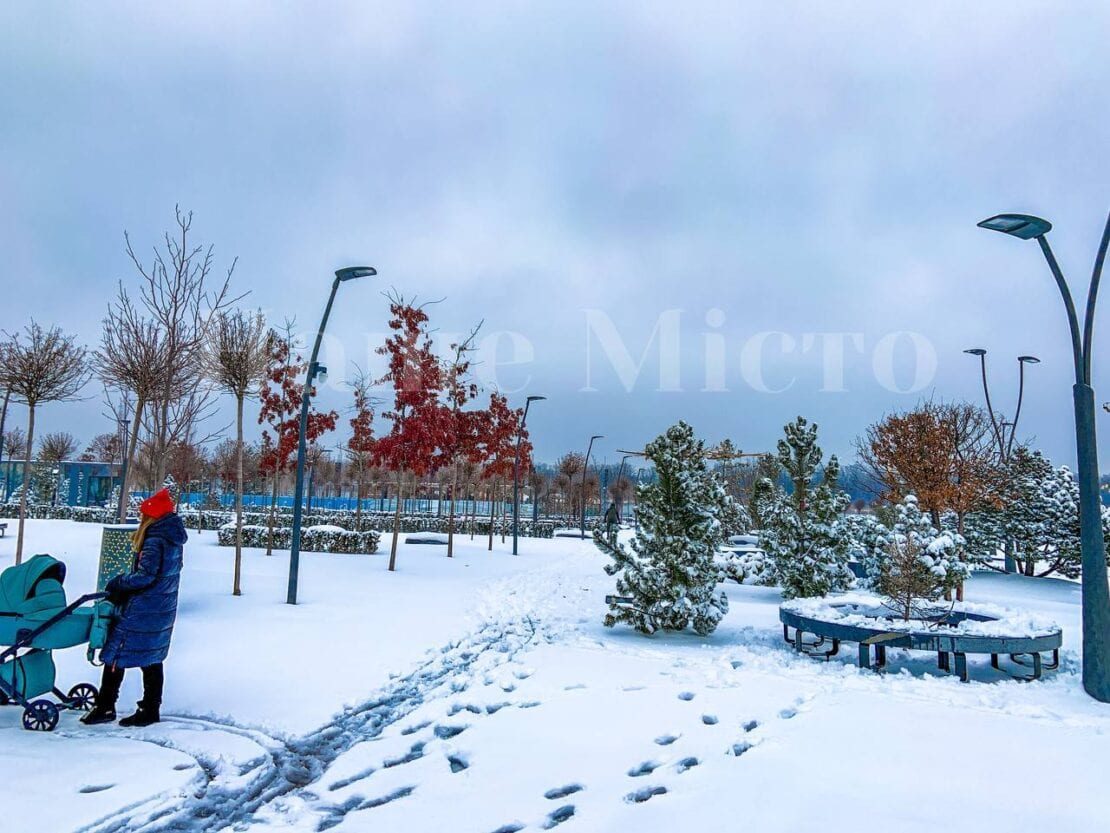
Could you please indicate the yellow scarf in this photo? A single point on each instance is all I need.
(139, 535)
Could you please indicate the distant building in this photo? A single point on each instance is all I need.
(69, 483)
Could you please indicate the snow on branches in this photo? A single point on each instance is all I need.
(669, 571)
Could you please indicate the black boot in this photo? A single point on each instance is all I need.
(145, 716)
(100, 714)
(153, 680)
(104, 711)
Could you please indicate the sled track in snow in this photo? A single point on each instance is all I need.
(218, 800)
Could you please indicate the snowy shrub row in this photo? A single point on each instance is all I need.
(313, 539)
(214, 519)
(46, 512)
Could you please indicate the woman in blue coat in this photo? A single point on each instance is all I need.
(146, 602)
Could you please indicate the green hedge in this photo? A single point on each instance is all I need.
(368, 522)
(312, 540)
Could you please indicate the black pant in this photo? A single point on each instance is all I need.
(112, 679)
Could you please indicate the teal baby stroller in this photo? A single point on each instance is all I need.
(36, 620)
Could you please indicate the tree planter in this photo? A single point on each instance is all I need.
(952, 635)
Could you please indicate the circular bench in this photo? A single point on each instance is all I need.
(952, 635)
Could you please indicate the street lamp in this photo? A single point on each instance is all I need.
(1096, 592)
(586, 468)
(1005, 440)
(314, 369)
(516, 470)
(620, 470)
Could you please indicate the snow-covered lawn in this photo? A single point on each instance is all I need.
(482, 693)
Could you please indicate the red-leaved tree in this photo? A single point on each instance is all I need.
(360, 447)
(281, 408)
(497, 448)
(461, 434)
(418, 423)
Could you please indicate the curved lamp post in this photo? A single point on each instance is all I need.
(315, 369)
(1004, 439)
(585, 469)
(1096, 593)
(516, 470)
(620, 471)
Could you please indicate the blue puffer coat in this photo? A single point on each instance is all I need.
(141, 634)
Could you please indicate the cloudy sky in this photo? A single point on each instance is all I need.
(736, 178)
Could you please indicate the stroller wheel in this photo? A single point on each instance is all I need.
(40, 716)
(82, 697)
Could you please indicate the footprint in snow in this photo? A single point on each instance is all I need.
(183, 767)
(563, 792)
(458, 762)
(709, 719)
(686, 763)
(412, 730)
(99, 788)
(514, 827)
(634, 688)
(786, 714)
(494, 708)
(750, 726)
(557, 817)
(415, 753)
(666, 740)
(575, 687)
(647, 793)
(686, 696)
(740, 748)
(462, 707)
(446, 732)
(646, 768)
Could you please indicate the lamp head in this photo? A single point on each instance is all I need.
(597, 437)
(535, 398)
(1029, 360)
(321, 374)
(1024, 226)
(976, 351)
(351, 272)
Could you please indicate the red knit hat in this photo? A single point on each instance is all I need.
(157, 505)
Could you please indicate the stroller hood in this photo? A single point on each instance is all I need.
(34, 586)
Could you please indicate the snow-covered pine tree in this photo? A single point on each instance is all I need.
(806, 548)
(922, 563)
(868, 542)
(174, 490)
(670, 570)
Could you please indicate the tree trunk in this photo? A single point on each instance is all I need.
(492, 508)
(451, 512)
(273, 511)
(128, 468)
(162, 439)
(26, 483)
(236, 590)
(396, 523)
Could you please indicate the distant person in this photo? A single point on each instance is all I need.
(612, 521)
(146, 605)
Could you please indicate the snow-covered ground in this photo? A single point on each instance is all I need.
(482, 694)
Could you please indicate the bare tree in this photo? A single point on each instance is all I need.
(48, 366)
(130, 363)
(235, 359)
(104, 448)
(57, 447)
(182, 300)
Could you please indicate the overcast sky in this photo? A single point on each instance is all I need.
(760, 167)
